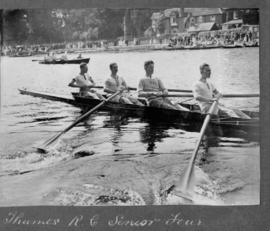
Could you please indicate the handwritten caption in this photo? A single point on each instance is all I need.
(175, 219)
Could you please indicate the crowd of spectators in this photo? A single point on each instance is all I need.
(242, 36)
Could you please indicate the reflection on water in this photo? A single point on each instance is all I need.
(151, 134)
(116, 121)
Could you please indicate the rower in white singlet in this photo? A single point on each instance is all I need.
(84, 82)
(205, 93)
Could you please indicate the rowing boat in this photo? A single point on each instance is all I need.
(229, 46)
(192, 120)
(63, 61)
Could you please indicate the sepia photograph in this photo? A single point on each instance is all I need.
(130, 107)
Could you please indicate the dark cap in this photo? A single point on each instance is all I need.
(147, 63)
(203, 66)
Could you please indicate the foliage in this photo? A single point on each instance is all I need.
(60, 25)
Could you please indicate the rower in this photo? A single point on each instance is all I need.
(153, 90)
(84, 81)
(50, 57)
(115, 83)
(205, 93)
(79, 56)
(64, 56)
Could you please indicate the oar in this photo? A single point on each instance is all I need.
(170, 90)
(185, 183)
(135, 89)
(223, 96)
(35, 60)
(190, 95)
(45, 145)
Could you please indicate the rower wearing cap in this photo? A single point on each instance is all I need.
(84, 81)
(115, 83)
(153, 90)
(205, 93)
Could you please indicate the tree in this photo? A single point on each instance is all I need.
(45, 26)
(34, 26)
(59, 25)
(15, 26)
(111, 23)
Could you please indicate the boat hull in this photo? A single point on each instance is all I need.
(71, 61)
(188, 120)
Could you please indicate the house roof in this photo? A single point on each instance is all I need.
(207, 26)
(168, 12)
(194, 11)
(203, 11)
(157, 16)
(235, 21)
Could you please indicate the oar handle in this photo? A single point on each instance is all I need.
(135, 89)
(223, 96)
(170, 90)
(240, 95)
(191, 95)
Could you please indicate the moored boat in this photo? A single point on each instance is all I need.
(230, 126)
(238, 45)
(21, 54)
(67, 61)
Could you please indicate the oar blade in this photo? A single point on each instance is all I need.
(186, 183)
(44, 147)
(175, 194)
(42, 150)
(185, 195)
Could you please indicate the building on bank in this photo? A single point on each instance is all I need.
(179, 20)
(175, 21)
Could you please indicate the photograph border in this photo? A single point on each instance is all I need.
(192, 217)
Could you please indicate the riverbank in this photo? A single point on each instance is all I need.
(130, 48)
(151, 47)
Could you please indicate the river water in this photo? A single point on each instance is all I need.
(26, 121)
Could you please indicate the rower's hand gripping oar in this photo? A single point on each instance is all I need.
(184, 186)
(45, 145)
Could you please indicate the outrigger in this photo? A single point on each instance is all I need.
(192, 119)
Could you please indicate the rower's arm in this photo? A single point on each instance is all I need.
(197, 94)
(207, 100)
(91, 81)
(146, 93)
(204, 99)
(124, 84)
(73, 84)
(162, 88)
(149, 93)
(108, 91)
